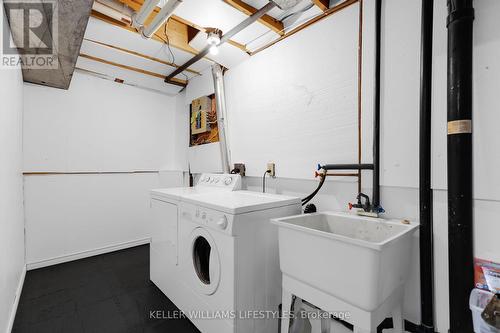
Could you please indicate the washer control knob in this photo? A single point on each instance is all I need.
(222, 223)
(228, 180)
(203, 215)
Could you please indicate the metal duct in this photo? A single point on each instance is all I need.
(286, 4)
(147, 8)
(160, 18)
(220, 99)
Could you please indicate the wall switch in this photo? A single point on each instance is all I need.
(272, 169)
(240, 169)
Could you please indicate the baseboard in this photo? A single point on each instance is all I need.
(86, 254)
(19, 289)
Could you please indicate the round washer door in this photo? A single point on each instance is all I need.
(205, 261)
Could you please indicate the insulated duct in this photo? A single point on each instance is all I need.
(460, 176)
(220, 99)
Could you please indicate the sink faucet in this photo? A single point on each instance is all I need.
(366, 206)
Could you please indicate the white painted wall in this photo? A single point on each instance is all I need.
(263, 90)
(97, 126)
(296, 103)
(203, 158)
(12, 261)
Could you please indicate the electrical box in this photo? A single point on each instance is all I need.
(200, 108)
(271, 167)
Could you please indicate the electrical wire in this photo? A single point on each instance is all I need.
(170, 49)
(264, 181)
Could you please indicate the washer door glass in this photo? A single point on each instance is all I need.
(206, 263)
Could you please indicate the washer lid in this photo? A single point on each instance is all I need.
(173, 193)
(239, 202)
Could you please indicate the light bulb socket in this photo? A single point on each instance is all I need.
(214, 36)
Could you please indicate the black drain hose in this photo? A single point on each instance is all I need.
(310, 196)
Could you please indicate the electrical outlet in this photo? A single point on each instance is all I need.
(272, 169)
(240, 167)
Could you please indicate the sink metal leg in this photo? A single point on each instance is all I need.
(286, 310)
(397, 319)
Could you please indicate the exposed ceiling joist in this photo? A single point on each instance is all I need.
(174, 81)
(267, 20)
(324, 5)
(191, 24)
(138, 54)
(191, 28)
(225, 38)
(177, 35)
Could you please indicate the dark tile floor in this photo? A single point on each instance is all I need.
(102, 294)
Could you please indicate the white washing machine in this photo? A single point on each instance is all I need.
(164, 241)
(229, 261)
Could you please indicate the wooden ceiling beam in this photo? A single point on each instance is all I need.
(267, 20)
(138, 54)
(324, 5)
(160, 37)
(174, 81)
(200, 28)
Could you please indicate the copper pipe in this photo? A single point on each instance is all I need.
(357, 174)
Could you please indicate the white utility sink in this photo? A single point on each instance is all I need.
(359, 260)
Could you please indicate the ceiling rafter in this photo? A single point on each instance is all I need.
(160, 37)
(324, 5)
(203, 29)
(174, 81)
(267, 20)
(138, 54)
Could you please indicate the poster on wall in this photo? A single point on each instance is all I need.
(203, 124)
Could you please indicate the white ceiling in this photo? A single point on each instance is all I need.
(205, 13)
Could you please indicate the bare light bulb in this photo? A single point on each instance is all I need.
(214, 50)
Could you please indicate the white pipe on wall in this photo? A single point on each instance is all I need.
(220, 99)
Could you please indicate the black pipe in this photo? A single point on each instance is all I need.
(376, 108)
(426, 226)
(460, 213)
(327, 167)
